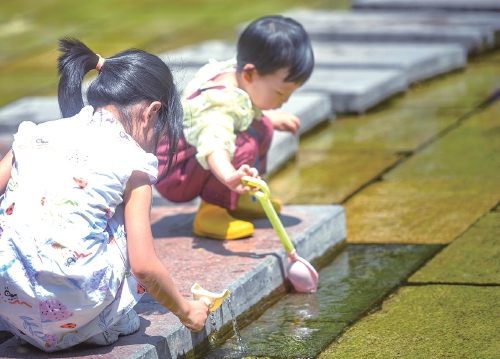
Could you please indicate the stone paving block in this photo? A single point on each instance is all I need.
(418, 61)
(469, 151)
(487, 21)
(391, 27)
(418, 210)
(35, 109)
(250, 268)
(308, 182)
(470, 259)
(312, 108)
(433, 321)
(398, 128)
(199, 54)
(6, 140)
(356, 90)
(453, 5)
(284, 145)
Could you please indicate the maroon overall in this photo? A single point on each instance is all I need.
(188, 180)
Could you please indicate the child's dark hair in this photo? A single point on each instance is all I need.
(274, 42)
(126, 79)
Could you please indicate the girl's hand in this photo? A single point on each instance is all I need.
(283, 121)
(197, 316)
(233, 181)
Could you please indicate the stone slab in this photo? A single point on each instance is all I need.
(392, 27)
(433, 321)
(329, 176)
(453, 5)
(468, 151)
(432, 211)
(487, 21)
(472, 258)
(356, 90)
(312, 108)
(198, 55)
(284, 145)
(35, 109)
(418, 61)
(250, 268)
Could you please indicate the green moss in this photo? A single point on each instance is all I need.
(471, 258)
(307, 181)
(432, 321)
(419, 210)
(469, 151)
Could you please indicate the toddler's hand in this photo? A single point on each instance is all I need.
(233, 181)
(198, 314)
(283, 121)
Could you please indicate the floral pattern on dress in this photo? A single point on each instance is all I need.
(62, 240)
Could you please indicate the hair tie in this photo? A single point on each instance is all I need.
(100, 63)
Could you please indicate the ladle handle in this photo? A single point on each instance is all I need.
(264, 194)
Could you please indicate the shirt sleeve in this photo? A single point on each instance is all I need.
(212, 119)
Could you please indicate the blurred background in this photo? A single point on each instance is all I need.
(30, 29)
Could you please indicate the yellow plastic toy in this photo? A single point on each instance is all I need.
(213, 300)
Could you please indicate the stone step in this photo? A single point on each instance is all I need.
(349, 89)
(428, 5)
(475, 34)
(250, 268)
(418, 61)
(356, 90)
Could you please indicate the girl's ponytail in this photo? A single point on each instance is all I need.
(126, 79)
(74, 63)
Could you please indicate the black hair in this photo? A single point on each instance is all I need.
(126, 79)
(274, 42)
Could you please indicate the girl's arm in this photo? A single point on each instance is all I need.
(5, 170)
(220, 164)
(146, 266)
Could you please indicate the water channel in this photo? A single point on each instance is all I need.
(334, 163)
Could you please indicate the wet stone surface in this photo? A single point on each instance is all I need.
(434, 321)
(301, 325)
(471, 258)
(418, 211)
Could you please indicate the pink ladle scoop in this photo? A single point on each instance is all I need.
(301, 273)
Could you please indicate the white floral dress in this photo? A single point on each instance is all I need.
(64, 270)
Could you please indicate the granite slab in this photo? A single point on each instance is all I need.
(418, 61)
(37, 109)
(250, 268)
(450, 5)
(394, 27)
(356, 90)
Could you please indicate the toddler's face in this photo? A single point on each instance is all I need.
(271, 91)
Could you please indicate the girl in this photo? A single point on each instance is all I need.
(227, 131)
(75, 238)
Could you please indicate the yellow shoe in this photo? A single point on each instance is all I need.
(215, 222)
(250, 208)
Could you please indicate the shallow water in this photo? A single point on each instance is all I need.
(302, 325)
